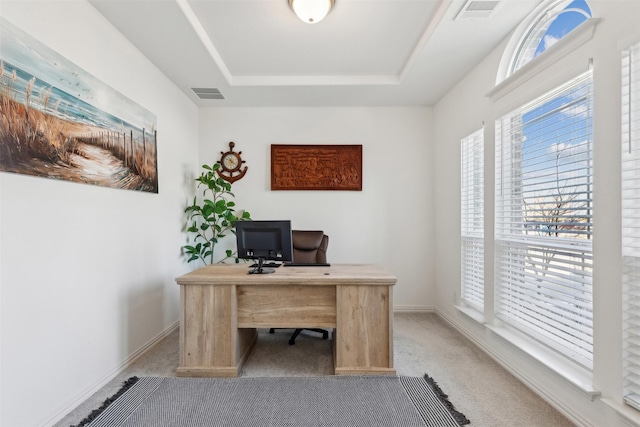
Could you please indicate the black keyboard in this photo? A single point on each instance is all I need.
(267, 265)
(300, 264)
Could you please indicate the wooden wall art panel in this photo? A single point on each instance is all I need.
(316, 167)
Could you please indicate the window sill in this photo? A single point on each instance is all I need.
(576, 38)
(579, 377)
(471, 313)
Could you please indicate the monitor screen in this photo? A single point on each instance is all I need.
(264, 240)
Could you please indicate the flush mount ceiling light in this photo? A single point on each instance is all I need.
(311, 11)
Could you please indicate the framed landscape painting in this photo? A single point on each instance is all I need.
(58, 121)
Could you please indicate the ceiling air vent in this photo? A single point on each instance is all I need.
(207, 92)
(477, 9)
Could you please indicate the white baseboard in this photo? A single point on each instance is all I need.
(89, 391)
(413, 309)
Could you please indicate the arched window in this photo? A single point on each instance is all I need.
(553, 20)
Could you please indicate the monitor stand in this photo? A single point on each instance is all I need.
(259, 269)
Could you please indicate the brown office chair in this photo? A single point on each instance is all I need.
(309, 247)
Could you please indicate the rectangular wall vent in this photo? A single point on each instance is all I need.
(207, 92)
(478, 9)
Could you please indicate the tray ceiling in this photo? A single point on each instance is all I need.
(365, 52)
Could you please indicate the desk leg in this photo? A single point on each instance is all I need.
(211, 345)
(364, 332)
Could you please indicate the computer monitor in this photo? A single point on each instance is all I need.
(264, 240)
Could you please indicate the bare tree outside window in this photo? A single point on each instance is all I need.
(562, 210)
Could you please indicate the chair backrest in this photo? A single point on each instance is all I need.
(309, 247)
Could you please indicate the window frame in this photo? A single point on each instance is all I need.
(532, 249)
(472, 221)
(630, 167)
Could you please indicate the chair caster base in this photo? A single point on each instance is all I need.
(292, 340)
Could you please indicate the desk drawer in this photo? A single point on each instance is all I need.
(286, 306)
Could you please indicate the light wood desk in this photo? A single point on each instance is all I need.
(222, 305)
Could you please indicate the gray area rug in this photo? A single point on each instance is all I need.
(286, 401)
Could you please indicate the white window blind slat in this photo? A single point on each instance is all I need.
(472, 220)
(543, 220)
(631, 223)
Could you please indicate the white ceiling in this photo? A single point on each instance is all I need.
(364, 53)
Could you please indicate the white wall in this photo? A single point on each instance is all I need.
(87, 272)
(390, 222)
(462, 111)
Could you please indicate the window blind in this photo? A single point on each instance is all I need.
(543, 219)
(472, 220)
(631, 222)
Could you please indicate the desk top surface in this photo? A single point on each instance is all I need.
(336, 274)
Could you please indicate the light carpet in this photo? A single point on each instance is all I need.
(281, 401)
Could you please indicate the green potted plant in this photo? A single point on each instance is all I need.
(213, 219)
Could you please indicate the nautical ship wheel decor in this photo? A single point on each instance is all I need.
(231, 165)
